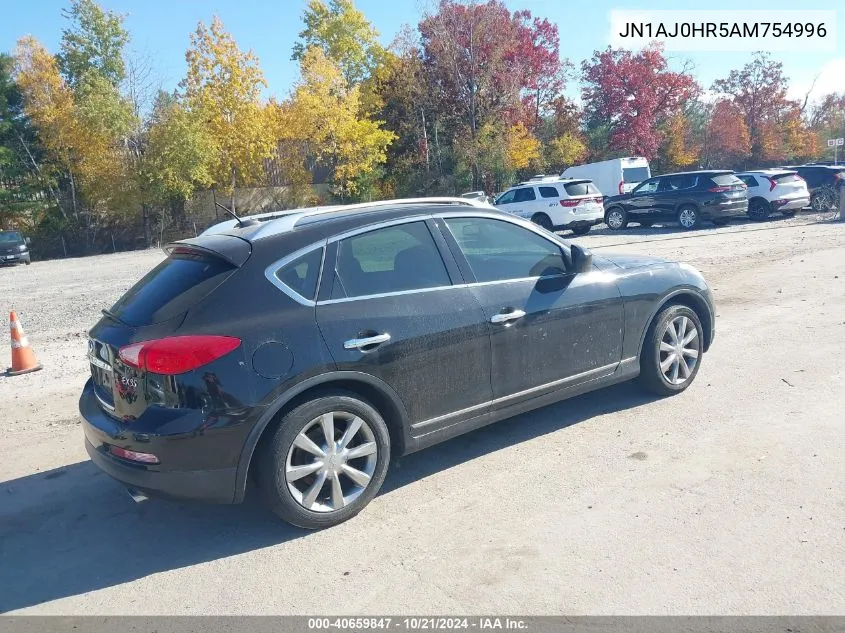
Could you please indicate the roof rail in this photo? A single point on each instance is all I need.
(282, 221)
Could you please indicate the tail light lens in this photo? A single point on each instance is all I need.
(177, 354)
(772, 183)
(719, 189)
(133, 456)
(621, 187)
(570, 203)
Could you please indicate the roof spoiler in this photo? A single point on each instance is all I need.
(230, 248)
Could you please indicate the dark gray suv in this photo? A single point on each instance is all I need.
(304, 349)
(14, 248)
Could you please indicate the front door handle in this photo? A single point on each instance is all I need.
(358, 343)
(504, 317)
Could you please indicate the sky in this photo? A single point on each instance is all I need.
(160, 30)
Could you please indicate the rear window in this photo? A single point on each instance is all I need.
(635, 174)
(785, 178)
(549, 192)
(582, 189)
(169, 289)
(725, 179)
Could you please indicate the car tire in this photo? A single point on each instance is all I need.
(721, 221)
(616, 218)
(299, 486)
(658, 373)
(823, 199)
(581, 230)
(541, 219)
(689, 217)
(759, 209)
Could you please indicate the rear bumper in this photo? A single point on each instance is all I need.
(725, 210)
(793, 203)
(162, 480)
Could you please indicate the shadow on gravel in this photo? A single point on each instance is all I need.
(72, 530)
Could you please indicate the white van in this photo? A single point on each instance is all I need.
(615, 176)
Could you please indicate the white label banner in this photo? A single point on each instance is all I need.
(712, 30)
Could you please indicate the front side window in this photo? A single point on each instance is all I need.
(498, 251)
(506, 198)
(391, 259)
(526, 194)
(302, 273)
(649, 186)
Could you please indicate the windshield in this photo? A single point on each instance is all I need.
(11, 237)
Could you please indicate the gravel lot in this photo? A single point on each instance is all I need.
(727, 499)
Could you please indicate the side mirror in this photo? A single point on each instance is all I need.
(582, 259)
(28, 241)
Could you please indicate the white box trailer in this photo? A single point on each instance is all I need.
(615, 176)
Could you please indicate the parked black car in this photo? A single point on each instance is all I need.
(689, 198)
(304, 351)
(823, 181)
(14, 248)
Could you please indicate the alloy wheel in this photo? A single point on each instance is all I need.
(331, 461)
(687, 218)
(679, 350)
(615, 219)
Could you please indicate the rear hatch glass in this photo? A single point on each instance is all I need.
(169, 289)
(783, 179)
(635, 174)
(583, 188)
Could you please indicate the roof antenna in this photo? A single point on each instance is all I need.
(230, 212)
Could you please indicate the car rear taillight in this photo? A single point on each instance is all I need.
(621, 187)
(133, 456)
(177, 354)
(719, 189)
(772, 183)
(570, 203)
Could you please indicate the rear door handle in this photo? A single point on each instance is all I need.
(504, 317)
(358, 343)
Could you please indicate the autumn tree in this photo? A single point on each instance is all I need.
(633, 94)
(679, 151)
(223, 89)
(758, 91)
(324, 113)
(727, 141)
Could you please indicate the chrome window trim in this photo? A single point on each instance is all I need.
(272, 269)
(492, 214)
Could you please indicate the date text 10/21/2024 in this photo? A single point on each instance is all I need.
(418, 623)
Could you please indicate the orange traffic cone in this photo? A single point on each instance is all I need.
(23, 358)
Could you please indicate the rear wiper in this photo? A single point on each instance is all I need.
(113, 316)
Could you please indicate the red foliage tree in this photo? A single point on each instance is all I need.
(633, 94)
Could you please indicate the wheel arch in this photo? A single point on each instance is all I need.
(369, 388)
(691, 299)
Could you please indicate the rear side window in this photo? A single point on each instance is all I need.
(172, 287)
(392, 259)
(549, 192)
(526, 194)
(302, 273)
(635, 174)
(751, 181)
(679, 182)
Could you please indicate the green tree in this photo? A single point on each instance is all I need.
(344, 35)
(94, 42)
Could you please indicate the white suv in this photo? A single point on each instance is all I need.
(774, 190)
(555, 203)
